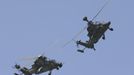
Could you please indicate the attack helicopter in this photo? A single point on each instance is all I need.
(41, 65)
(95, 32)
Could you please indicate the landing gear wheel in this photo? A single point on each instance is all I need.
(57, 68)
(103, 38)
(49, 73)
(111, 29)
(94, 49)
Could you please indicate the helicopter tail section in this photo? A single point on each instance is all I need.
(88, 44)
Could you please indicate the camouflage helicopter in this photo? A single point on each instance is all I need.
(95, 32)
(41, 65)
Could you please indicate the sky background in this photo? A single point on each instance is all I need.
(32, 27)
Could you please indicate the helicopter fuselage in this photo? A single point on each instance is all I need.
(99, 32)
(49, 67)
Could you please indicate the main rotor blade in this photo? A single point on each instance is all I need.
(28, 58)
(100, 10)
(73, 39)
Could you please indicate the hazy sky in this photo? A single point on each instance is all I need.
(32, 27)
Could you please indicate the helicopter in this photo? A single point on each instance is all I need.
(95, 32)
(41, 65)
